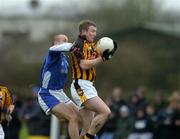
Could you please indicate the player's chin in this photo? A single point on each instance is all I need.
(91, 39)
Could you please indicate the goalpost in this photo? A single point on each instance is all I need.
(54, 128)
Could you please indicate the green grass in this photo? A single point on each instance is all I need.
(23, 132)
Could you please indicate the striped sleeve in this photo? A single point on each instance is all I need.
(77, 49)
(8, 99)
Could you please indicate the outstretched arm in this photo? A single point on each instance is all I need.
(61, 47)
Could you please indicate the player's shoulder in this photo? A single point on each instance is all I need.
(80, 41)
(4, 89)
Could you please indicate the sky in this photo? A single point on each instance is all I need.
(171, 5)
(21, 7)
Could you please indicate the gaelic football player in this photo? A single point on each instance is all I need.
(84, 60)
(51, 96)
(5, 102)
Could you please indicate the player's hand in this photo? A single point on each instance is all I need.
(10, 109)
(115, 47)
(8, 117)
(108, 54)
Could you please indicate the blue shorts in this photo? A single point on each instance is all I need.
(50, 98)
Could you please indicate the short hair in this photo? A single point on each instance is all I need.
(57, 37)
(85, 24)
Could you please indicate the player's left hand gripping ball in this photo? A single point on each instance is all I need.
(115, 47)
(108, 54)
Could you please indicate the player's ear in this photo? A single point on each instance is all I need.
(83, 31)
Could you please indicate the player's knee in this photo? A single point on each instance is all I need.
(74, 117)
(108, 112)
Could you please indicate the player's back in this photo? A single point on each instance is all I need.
(54, 70)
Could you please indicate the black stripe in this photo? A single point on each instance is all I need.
(76, 85)
(87, 52)
(5, 95)
(80, 71)
(87, 74)
(0, 112)
(81, 46)
(89, 70)
(89, 136)
(78, 88)
(74, 67)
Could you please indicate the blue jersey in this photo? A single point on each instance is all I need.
(54, 71)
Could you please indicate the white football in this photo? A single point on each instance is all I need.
(104, 44)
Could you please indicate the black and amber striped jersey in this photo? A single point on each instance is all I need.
(83, 50)
(5, 99)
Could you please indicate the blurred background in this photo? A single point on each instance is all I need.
(147, 31)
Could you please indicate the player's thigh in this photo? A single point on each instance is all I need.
(96, 104)
(74, 107)
(65, 111)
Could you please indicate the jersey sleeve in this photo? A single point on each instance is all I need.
(65, 47)
(8, 99)
(77, 48)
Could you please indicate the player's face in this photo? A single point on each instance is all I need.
(60, 39)
(91, 33)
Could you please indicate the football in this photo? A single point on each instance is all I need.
(104, 44)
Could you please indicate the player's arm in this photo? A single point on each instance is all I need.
(9, 105)
(9, 102)
(65, 47)
(87, 64)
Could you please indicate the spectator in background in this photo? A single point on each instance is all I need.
(138, 99)
(159, 100)
(124, 123)
(141, 92)
(141, 126)
(152, 117)
(15, 124)
(5, 103)
(117, 99)
(134, 103)
(38, 123)
(177, 116)
(167, 119)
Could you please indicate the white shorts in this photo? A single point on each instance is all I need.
(50, 98)
(82, 90)
(1, 132)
